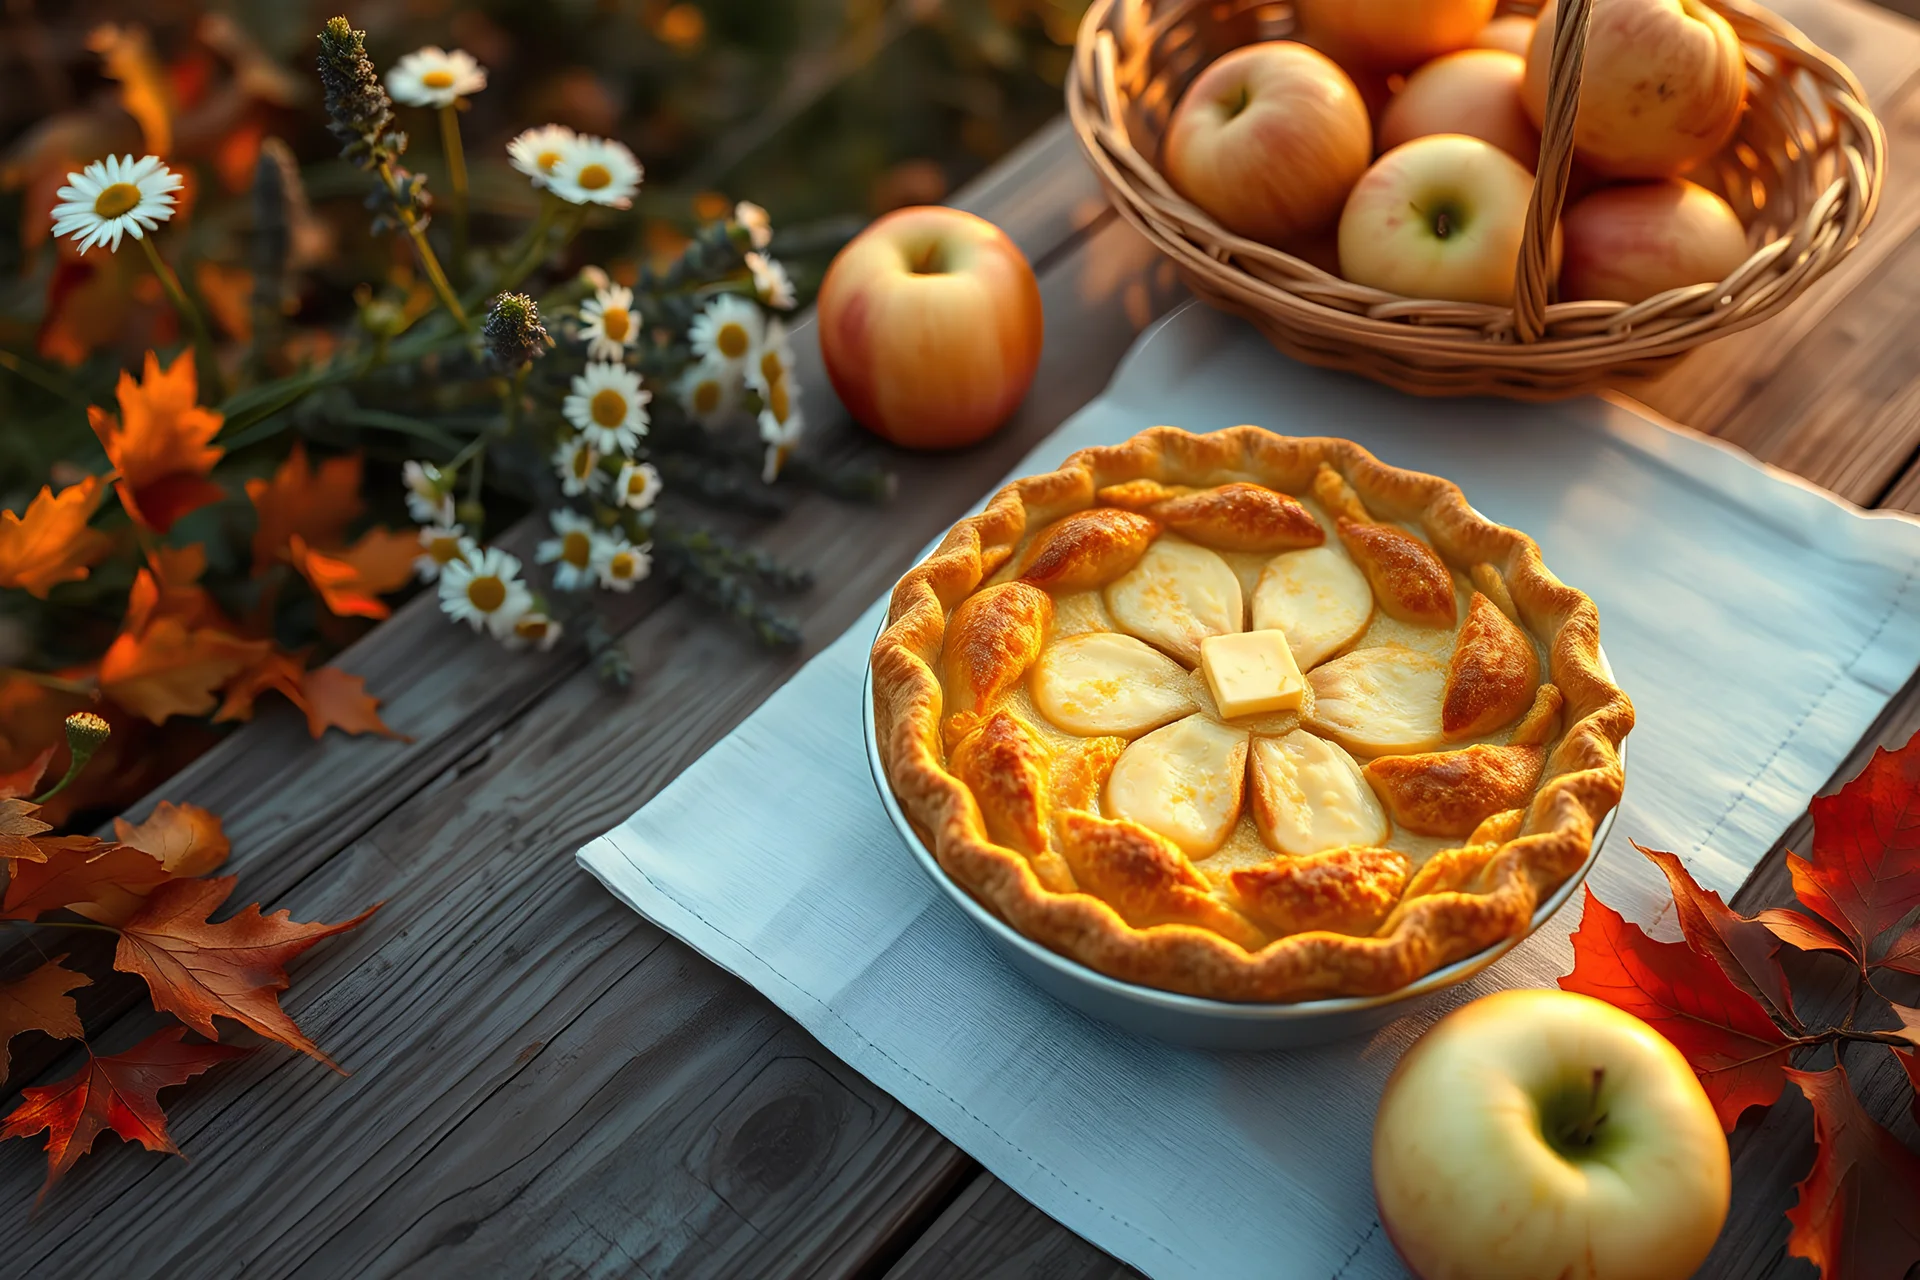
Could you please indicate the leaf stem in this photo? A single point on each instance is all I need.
(45, 379)
(64, 924)
(457, 178)
(210, 376)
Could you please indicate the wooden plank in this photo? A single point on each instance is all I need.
(495, 961)
(990, 1231)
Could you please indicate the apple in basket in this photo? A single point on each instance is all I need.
(1439, 217)
(1475, 92)
(1269, 139)
(1663, 87)
(1392, 35)
(930, 327)
(1512, 32)
(1628, 243)
(1548, 1134)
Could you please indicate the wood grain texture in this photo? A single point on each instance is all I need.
(989, 1233)
(519, 1037)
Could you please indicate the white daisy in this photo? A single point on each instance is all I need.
(538, 152)
(771, 282)
(710, 390)
(433, 77)
(754, 219)
(571, 553)
(608, 406)
(429, 493)
(484, 590)
(638, 485)
(621, 564)
(730, 329)
(596, 171)
(608, 324)
(578, 465)
(115, 197)
(773, 360)
(780, 435)
(443, 544)
(535, 629)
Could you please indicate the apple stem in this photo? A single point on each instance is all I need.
(1582, 1133)
(1442, 225)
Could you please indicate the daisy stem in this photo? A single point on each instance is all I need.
(210, 376)
(457, 177)
(429, 261)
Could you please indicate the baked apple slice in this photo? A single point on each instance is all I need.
(1318, 597)
(1491, 678)
(1100, 682)
(1310, 796)
(1381, 700)
(1411, 581)
(1087, 549)
(1175, 597)
(1347, 891)
(1185, 782)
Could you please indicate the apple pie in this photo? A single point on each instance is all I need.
(1248, 717)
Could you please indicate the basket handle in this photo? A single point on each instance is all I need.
(1534, 277)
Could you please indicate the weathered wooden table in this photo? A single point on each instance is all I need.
(545, 1084)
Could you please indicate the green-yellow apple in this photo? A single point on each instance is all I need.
(1546, 1135)
(1439, 217)
(1475, 92)
(1269, 139)
(1663, 87)
(1512, 32)
(1629, 243)
(930, 327)
(1393, 35)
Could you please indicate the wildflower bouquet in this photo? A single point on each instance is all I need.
(519, 381)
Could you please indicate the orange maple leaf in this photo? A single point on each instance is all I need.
(170, 669)
(315, 503)
(118, 1092)
(107, 883)
(18, 827)
(161, 444)
(338, 699)
(338, 583)
(198, 970)
(277, 670)
(26, 779)
(384, 558)
(51, 543)
(39, 1002)
(188, 840)
(177, 567)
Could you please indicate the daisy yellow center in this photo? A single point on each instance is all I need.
(582, 464)
(615, 324)
(621, 566)
(120, 198)
(731, 341)
(532, 628)
(594, 177)
(770, 366)
(438, 78)
(576, 549)
(444, 550)
(778, 400)
(637, 484)
(706, 397)
(608, 407)
(487, 593)
(546, 160)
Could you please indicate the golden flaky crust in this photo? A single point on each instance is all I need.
(1459, 902)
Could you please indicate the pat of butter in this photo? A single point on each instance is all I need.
(1251, 673)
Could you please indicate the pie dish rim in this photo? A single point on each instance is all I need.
(1580, 786)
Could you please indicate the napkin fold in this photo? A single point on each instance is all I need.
(1759, 625)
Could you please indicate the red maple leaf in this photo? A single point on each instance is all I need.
(1909, 1060)
(1864, 875)
(1744, 949)
(105, 883)
(1724, 1033)
(338, 583)
(1856, 1215)
(118, 1092)
(315, 504)
(1903, 953)
(25, 780)
(39, 1002)
(235, 969)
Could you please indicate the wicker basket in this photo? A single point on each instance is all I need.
(1803, 171)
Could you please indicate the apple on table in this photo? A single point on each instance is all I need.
(1546, 1135)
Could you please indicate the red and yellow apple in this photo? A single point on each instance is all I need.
(1541, 1134)
(1475, 92)
(930, 327)
(1269, 139)
(1511, 32)
(1438, 217)
(1392, 35)
(1630, 242)
(1663, 88)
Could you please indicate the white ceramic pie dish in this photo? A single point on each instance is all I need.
(1194, 1020)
